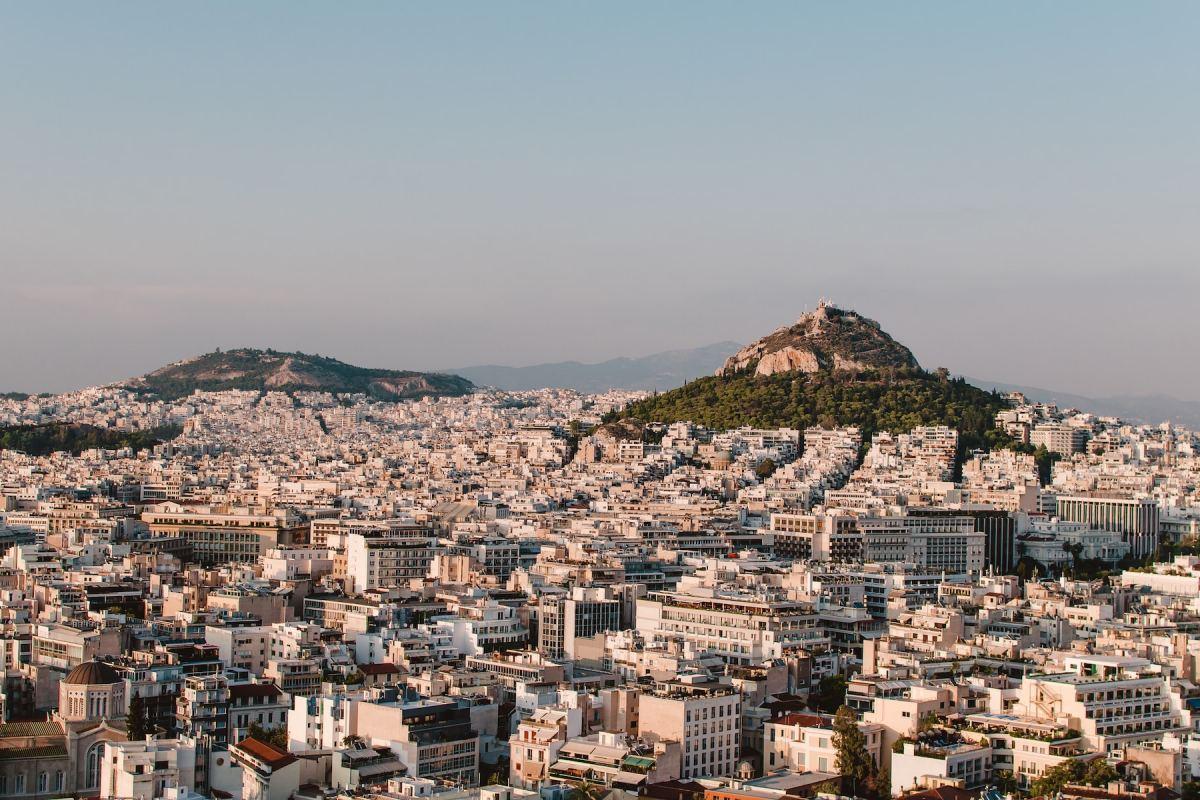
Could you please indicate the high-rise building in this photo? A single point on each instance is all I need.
(703, 715)
(586, 612)
(388, 557)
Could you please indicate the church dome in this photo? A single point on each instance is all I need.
(92, 673)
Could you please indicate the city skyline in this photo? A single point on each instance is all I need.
(577, 401)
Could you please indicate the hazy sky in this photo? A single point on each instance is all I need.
(1011, 189)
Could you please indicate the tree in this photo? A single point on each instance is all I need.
(275, 736)
(1045, 460)
(854, 763)
(765, 468)
(831, 694)
(136, 720)
(1099, 773)
(1005, 781)
(881, 785)
(586, 790)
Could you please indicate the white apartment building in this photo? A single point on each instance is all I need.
(1059, 437)
(804, 743)
(537, 742)
(147, 767)
(1024, 746)
(1113, 701)
(967, 764)
(704, 716)
(387, 558)
(935, 543)
(740, 626)
(482, 628)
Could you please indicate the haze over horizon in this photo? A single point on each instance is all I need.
(1009, 191)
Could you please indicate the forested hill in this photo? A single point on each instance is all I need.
(886, 400)
(40, 440)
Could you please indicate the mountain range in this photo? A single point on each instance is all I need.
(1147, 408)
(658, 371)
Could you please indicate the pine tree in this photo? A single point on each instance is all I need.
(858, 770)
(135, 720)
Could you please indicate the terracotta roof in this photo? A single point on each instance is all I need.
(942, 793)
(265, 752)
(805, 720)
(253, 690)
(30, 728)
(379, 669)
(22, 753)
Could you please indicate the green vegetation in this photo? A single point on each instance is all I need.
(586, 790)
(1092, 773)
(890, 399)
(765, 469)
(137, 721)
(830, 694)
(276, 736)
(41, 440)
(352, 679)
(1005, 781)
(860, 774)
(270, 370)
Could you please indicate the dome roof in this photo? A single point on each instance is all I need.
(92, 673)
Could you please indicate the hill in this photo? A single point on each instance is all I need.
(665, 370)
(829, 338)
(269, 370)
(862, 377)
(40, 440)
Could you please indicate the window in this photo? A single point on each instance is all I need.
(91, 775)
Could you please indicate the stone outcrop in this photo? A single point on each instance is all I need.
(829, 338)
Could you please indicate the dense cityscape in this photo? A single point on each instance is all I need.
(295, 593)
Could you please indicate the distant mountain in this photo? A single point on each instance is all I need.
(660, 371)
(1149, 408)
(832, 367)
(270, 370)
(826, 339)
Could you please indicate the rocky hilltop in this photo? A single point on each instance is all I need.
(828, 339)
(270, 370)
(833, 367)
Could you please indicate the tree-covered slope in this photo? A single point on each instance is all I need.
(270, 370)
(890, 400)
(40, 440)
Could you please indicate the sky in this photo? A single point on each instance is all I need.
(1011, 189)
